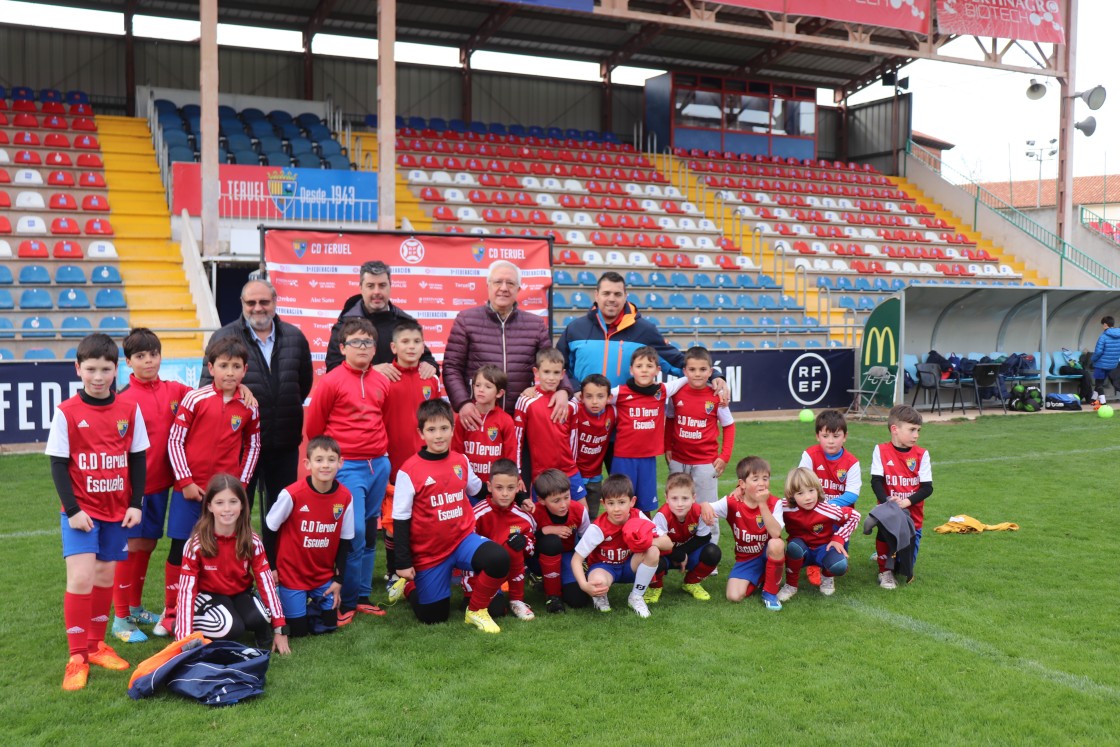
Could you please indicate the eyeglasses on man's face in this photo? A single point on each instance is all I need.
(251, 302)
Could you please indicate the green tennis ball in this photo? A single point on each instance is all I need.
(807, 416)
(1105, 411)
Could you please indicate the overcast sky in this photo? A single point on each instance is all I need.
(984, 112)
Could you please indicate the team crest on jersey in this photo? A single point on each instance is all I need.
(658, 395)
(911, 463)
(514, 530)
(458, 470)
(692, 528)
(174, 406)
(492, 432)
(235, 422)
(758, 520)
(708, 407)
(841, 474)
(818, 528)
(608, 424)
(336, 511)
(426, 390)
(122, 428)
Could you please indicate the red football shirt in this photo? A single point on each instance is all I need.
(903, 471)
(495, 439)
(681, 531)
(432, 490)
(97, 439)
(695, 420)
(499, 524)
(399, 411)
(159, 402)
(838, 476)
(576, 519)
(210, 436)
(747, 525)
(590, 435)
(821, 524)
(641, 422)
(309, 526)
(603, 541)
(550, 445)
(225, 574)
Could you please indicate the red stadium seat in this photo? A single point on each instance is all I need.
(643, 241)
(32, 249)
(524, 199)
(513, 215)
(53, 107)
(83, 110)
(91, 180)
(67, 250)
(64, 226)
(90, 161)
(60, 179)
(84, 124)
(490, 215)
(661, 259)
(63, 201)
(24, 105)
(664, 241)
(539, 218)
(501, 197)
(605, 220)
(95, 203)
(5, 178)
(478, 197)
(58, 159)
(23, 119)
(431, 194)
(489, 180)
(598, 238)
(98, 227)
(5, 201)
(28, 158)
(444, 213)
(569, 256)
(683, 261)
(26, 138)
(56, 140)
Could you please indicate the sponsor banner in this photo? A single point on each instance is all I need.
(909, 15)
(276, 193)
(787, 379)
(881, 346)
(1025, 20)
(30, 392)
(435, 276)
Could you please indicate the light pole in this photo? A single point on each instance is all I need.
(1041, 153)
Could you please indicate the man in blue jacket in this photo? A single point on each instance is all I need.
(603, 340)
(1106, 357)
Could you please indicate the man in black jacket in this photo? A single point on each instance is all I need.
(279, 376)
(373, 303)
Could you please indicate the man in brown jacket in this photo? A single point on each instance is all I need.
(497, 332)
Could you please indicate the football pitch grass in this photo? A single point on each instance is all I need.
(1002, 638)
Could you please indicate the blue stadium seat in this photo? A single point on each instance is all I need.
(701, 301)
(563, 277)
(559, 300)
(635, 279)
(318, 133)
(700, 325)
(766, 323)
(34, 275)
(744, 345)
(417, 123)
(246, 157)
(823, 281)
(109, 298)
(844, 283)
(634, 299)
(39, 354)
(787, 343)
(813, 344)
(655, 301)
(300, 146)
(76, 326)
(721, 344)
(7, 355)
(724, 280)
(581, 300)
(680, 280)
(536, 131)
(239, 142)
(897, 284)
(767, 283)
(745, 323)
(6, 328)
(555, 132)
(73, 298)
(269, 144)
(675, 324)
(679, 301)
(69, 275)
(289, 130)
(6, 275)
(746, 301)
(586, 277)
(279, 116)
(106, 275)
(329, 148)
(866, 303)
(6, 301)
(308, 161)
(722, 323)
(846, 302)
(658, 280)
(881, 285)
(766, 302)
(746, 282)
(439, 124)
(338, 162)
(35, 299)
(722, 301)
(179, 154)
(176, 138)
(276, 158)
(456, 125)
(702, 280)
(790, 324)
(789, 303)
(112, 324)
(809, 323)
(863, 284)
(37, 326)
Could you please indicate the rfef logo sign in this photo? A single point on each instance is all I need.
(809, 379)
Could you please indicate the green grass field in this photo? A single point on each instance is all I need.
(1005, 638)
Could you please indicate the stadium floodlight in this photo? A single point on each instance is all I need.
(1094, 97)
(1035, 90)
(1088, 126)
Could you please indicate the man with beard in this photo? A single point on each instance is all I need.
(279, 375)
(373, 302)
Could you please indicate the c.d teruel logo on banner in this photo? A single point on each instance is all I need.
(300, 248)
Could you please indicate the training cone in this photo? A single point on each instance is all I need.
(806, 416)
(1105, 411)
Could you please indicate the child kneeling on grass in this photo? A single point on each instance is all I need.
(221, 559)
(694, 551)
(312, 523)
(817, 532)
(755, 518)
(433, 525)
(623, 544)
